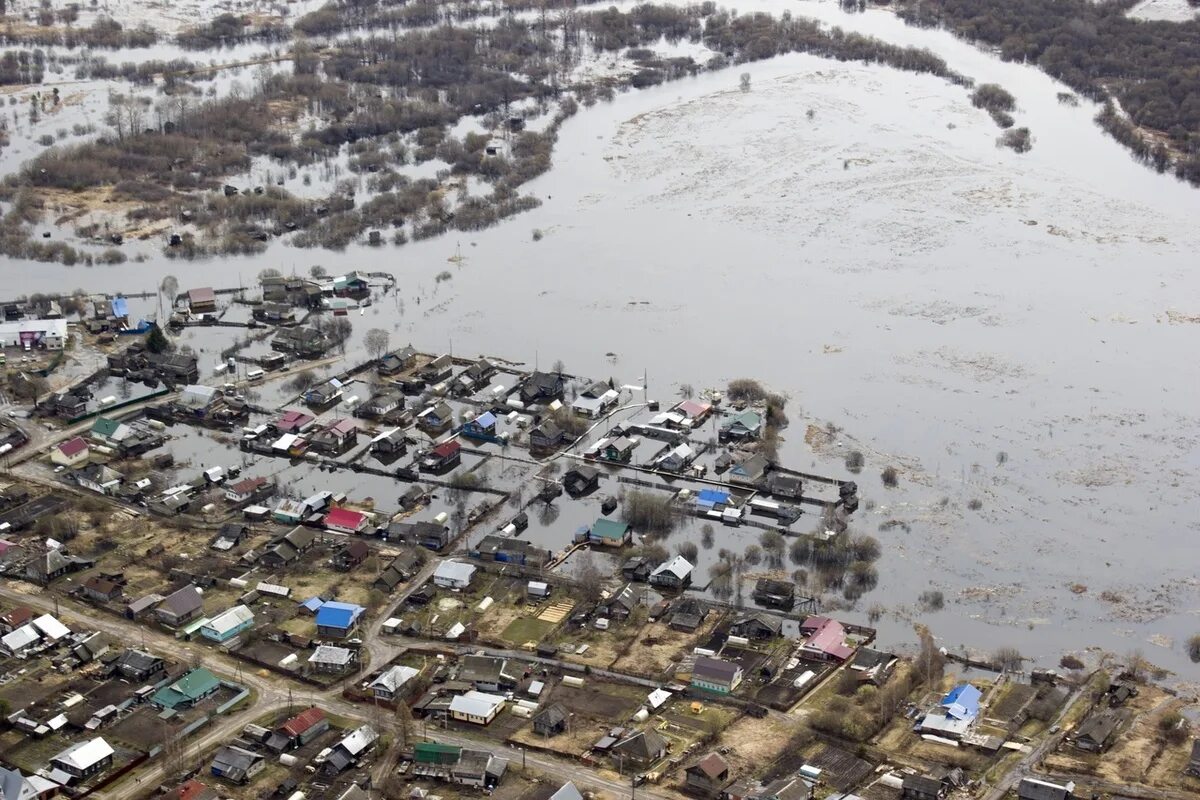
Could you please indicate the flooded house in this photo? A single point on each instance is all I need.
(619, 450)
(446, 456)
(481, 428)
(397, 361)
(302, 342)
(437, 370)
(247, 490)
(741, 427)
(335, 438)
(750, 471)
(275, 313)
(595, 400)
(541, 388)
(777, 594)
(430, 535)
(674, 575)
(784, 486)
(474, 377)
(510, 550)
(324, 394)
(390, 443)
(202, 300)
(676, 459)
(293, 422)
(436, 418)
(380, 405)
(547, 437)
(825, 639)
(609, 533)
(578, 481)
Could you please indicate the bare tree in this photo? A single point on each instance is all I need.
(590, 578)
(376, 342)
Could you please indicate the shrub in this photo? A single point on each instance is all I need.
(932, 600)
(890, 477)
(648, 512)
(855, 461)
(1193, 648)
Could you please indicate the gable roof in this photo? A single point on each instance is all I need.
(73, 447)
(711, 766)
(228, 620)
(715, 669)
(1099, 727)
(645, 744)
(567, 791)
(330, 654)
(605, 528)
(184, 600)
(83, 755)
(338, 615)
(446, 449)
(829, 637)
(191, 687)
(303, 721)
(394, 678)
(345, 518)
(476, 704)
(962, 702)
(678, 566)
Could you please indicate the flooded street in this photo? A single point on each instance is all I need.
(1010, 329)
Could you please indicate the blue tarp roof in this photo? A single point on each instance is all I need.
(486, 420)
(120, 307)
(709, 497)
(338, 615)
(962, 702)
(312, 604)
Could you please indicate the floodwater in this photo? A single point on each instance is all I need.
(1011, 329)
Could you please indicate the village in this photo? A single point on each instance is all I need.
(286, 566)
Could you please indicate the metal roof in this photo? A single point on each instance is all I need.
(228, 620)
(476, 704)
(338, 615)
(82, 755)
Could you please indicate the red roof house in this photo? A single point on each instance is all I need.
(826, 639)
(294, 422)
(70, 453)
(345, 520)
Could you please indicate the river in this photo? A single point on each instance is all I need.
(1010, 329)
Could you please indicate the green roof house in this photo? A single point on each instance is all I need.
(187, 691)
(434, 753)
(609, 532)
(104, 429)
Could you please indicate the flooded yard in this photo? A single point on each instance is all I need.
(997, 327)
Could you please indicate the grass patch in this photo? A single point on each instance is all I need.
(526, 629)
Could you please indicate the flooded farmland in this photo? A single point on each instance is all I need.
(1012, 331)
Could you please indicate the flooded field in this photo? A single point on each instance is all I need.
(1013, 332)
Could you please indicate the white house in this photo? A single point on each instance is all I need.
(71, 453)
(48, 333)
(477, 707)
(453, 575)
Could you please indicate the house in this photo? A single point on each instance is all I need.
(688, 615)
(288, 548)
(482, 427)
(742, 427)
(826, 639)
(445, 456)
(610, 533)
(401, 568)
(245, 490)
(619, 450)
(716, 675)
(199, 401)
(921, 787)
(338, 620)
(477, 707)
(437, 418)
(595, 401)
(487, 673)
(140, 667)
(380, 404)
(427, 534)
(15, 786)
(547, 437)
(578, 481)
(642, 749)
(186, 692)
(474, 377)
(293, 422)
(53, 564)
(18, 642)
(453, 575)
(676, 459)
(1120, 693)
(1095, 734)
(276, 313)
(15, 618)
(202, 300)
(331, 659)
(352, 746)
(709, 776)
(438, 369)
(785, 487)
(143, 606)
(337, 437)
(71, 453)
(350, 555)
(101, 589)
(750, 471)
(542, 387)
(551, 720)
(1034, 789)
(397, 361)
(299, 730)
(301, 342)
(98, 478)
(873, 666)
(391, 681)
(675, 575)
(776, 594)
(637, 569)
(621, 604)
(348, 521)
(181, 606)
(694, 412)
(228, 624)
(390, 443)
(176, 368)
(510, 550)
(324, 394)
(84, 759)
(237, 764)
(757, 625)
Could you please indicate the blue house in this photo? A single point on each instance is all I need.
(709, 498)
(962, 703)
(482, 427)
(338, 620)
(229, 624)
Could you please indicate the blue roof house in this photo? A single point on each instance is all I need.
(120, 307)
(963, 702)
(338, 620)
(482, 427)
(312, 605)
(708, 498)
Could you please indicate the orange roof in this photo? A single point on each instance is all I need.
(303, 721)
